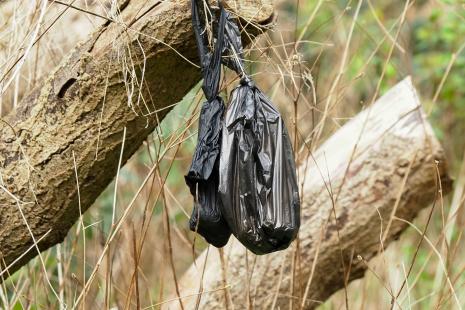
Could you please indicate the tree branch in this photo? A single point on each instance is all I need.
(81, 110)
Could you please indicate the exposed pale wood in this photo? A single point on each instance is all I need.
(393, 141)
(64, 116)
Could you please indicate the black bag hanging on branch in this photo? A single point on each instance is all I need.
(203, 175)
(258, 184)
(254, 194)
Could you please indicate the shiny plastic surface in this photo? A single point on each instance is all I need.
(243, 172)
(258, 184)
(202, 177)
(232, 48)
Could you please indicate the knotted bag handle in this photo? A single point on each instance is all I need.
(210, 62)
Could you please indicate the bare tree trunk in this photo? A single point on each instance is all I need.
(376, 172)
(75, 120)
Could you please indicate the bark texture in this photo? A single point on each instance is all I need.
(395, 166)
(79, 113)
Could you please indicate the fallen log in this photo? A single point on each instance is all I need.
(383, 165)
(126, 76)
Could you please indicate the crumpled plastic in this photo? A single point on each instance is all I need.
(232, 47)
(258, 184)
(243, 172)
(203, 176)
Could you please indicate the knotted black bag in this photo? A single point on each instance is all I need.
(257, 181)
(255, 190)
(203, 175)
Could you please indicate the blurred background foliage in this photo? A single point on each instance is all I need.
(429, 48)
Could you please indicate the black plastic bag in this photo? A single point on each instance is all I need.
(243, 172)
(258, 184)
(232, 47)
(203, 175)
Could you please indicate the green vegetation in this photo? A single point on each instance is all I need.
(429, 47)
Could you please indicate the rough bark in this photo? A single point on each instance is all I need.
(84, 102)
(393, 168)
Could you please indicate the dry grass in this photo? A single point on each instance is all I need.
(323, 62)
